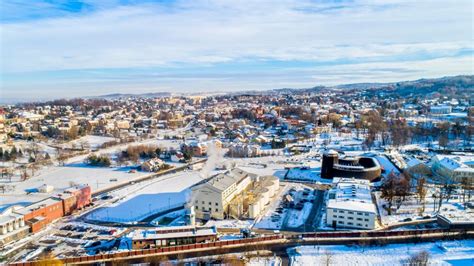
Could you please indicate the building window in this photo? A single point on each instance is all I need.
(217, 204)
(359, 219)
(210, 203)
(217, 210)
(349, 223)
(202, 202)
(342, 217)
(335, 216)
(359, 213)
(359, 224)
(351, 212)
(350, 218)
(366, 220)
(366, 214)
(341, 222)
(196, 202)
(341, 211)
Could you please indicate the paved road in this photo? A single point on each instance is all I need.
(314, 215)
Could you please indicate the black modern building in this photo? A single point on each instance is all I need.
(357, 167)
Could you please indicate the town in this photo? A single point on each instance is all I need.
(150, 178)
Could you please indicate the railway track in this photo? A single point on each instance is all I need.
(273, 242)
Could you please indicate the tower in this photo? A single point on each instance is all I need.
(330, 158)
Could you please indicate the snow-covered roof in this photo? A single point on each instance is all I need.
(225, 180)
(351, 194)
(456, 163)
(160, 234)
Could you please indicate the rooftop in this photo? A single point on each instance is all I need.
(162, 234)
(351, 194)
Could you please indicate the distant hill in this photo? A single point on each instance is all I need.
(126, 95)
(462, 83)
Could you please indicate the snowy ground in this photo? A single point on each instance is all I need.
(230, 223)
(411, 206)
(141, 200)
(61, 177)
(441, 253)
(269, 261)
(89, 141)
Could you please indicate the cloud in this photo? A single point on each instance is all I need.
(177, 35)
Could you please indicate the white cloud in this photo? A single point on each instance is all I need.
(360, 41)
(199, 32)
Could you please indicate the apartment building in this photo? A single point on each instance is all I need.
(454, 168)
(350, 205)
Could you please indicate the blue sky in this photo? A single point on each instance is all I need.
(52, 49)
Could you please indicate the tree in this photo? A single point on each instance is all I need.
(61, 156)
(466, 187)
(395, 189)
(421, 192)
(327, 258)
(100, 160)
(443, 140)
(187, 154)
(419, 259)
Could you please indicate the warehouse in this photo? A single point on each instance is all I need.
(211, 199)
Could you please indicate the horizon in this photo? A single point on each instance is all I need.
(58, 49)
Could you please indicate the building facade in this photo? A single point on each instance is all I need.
(454, 168)
(211, 199)
(350, 205)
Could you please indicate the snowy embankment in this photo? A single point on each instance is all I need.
(441, 253)
(144, 199)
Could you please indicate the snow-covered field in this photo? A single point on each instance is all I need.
(441, 253)
(61, 177)
(89, 141)
(144, 199)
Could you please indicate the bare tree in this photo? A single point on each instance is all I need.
(395, 189)
(61, 156)
(421, 192)
(419, 259)
(327, 258)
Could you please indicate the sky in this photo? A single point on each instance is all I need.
(55, 49)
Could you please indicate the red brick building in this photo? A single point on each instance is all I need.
(42, 213)
(75, 198)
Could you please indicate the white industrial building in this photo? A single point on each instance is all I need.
(264, 190)
(234, 193)
(211, 199)
(12, 225)
(350, 204)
